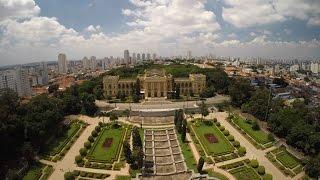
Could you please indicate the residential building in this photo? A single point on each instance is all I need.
(126, 57)
(62, 64)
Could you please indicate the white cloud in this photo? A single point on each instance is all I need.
(93, 29)
(247, 13)
(287, 31)
(18, 9)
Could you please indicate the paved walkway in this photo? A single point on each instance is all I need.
(252, 152)
(68, 162)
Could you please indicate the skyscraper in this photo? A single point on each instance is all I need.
(86, 63)
(22, 82)
(148, 56)
(189, 55)
(154, 56)
(43, 70)
(93, 63)
(62, 64)
(138, 57)
(8, 80)
(126, 56)
(143, 56)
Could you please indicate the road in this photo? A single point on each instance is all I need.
(161, 104)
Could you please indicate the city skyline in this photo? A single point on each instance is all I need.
(38, 30)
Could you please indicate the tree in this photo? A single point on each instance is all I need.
(88, 104)
(136, 91)
(313, 167)
(240, 91)
(280, 81)
(127, 152)
(113, 117)
(200, 164)
(258, 103)
(183, 133)
(98, 92)
(138, 156)
(255, 125)
(28, 152)
(53, 88)
(177, 92)
(204, 110)
(137, 142)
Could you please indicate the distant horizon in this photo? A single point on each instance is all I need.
(37, 30)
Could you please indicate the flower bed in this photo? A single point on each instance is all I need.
(107, 142)
(211, 138)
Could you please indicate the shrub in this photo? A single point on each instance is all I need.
(90, 174)
(100, 124)
(108, 166)
(230, 138)
(94, 133)
(83, 151)
(218, 124)
(95, 165)
(83, 174)
(236, 143)
(226, 132)
(255, 126)
(208, 160)
(267, 177)
(221, 128)
(215, 119)
(87, 164)
(102, 166)
(270, 137)
(68, 176)
(76, 173)
(87, 145)
(78, 159)
(261, 170)
(68, 147)
(98, 128)
(208, 123)
(90, 138)
(254, 163)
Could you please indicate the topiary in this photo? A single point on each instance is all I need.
(87, 164)
(78, 159)
(254, 163)
(226, 132)
(230, 138)
(83, 151)
(236, 143)
(68, 176)
(215, 119)
(90, 138)
(242, 151)
(261, 170)
(94, 133)
(76, 173)
(221, 128)
(83, 174)
(97, 128)
(218, 124)
(87, 145)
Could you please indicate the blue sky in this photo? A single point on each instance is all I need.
(37, 30)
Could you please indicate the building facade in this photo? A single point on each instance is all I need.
(154, 83)
(62, 64)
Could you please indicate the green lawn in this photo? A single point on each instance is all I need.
(287, 159)
(212, 173)
(123, 177)
(100, 154)
(187, 154)
(259, 135)
(245, 173)
(58, 144)
(34, 172)
(222, 147)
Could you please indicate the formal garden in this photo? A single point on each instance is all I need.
(83, 175)
(59, 144)
(187, 154)
(247, 170)
(213, 140)
(103, 148)
(251, 130)
(285, 161)
(38, 171)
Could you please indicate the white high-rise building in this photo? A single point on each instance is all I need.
(143, 56)
(93, 63)
(294, 68)
(138, 57)
(8, 80)
(86, 63)
(154, 56)
(126, 57)
(22, 82)
(44, 73)
(189, 55)
(62, 64)
(148, 56)
(314, 67)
